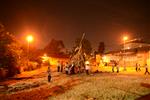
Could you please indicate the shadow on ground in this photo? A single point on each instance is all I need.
(146, 97)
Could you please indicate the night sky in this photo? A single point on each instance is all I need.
(101, 20)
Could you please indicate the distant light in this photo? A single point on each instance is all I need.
(29, 38)
(105, 59)
(45, 58)
(87, 62)
(125, 38)
(128, 47)
(45, 55)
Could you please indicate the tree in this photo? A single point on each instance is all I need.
(54, 47)
(86, 45)
(101, 48)
(81, 52)
(11, 52)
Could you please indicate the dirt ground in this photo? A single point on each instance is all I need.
(33, 85)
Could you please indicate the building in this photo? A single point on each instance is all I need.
(132, 52)
(135, 43)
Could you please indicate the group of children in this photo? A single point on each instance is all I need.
(72, 68)
(137, 68)
(67, 68)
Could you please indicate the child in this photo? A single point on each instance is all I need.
(146, 69)
(49, 74)
(117, 65)
(67, 68)
(87, 67)
(58, 66)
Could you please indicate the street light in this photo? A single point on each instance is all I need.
(29, 40)
(125, 38)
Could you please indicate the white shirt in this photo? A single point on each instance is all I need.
(87, 67)
(58, 64)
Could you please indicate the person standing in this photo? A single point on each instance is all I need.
(146, 69)
(73, 68)
(61, 66)
(49, 74)
(113, 66)
(117, 65)
(79, 67)
(58, 66)
(67, 68)
(87, 67)
(136, 67)
(139, 67)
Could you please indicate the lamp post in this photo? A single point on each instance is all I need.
(125, 38)
(29, 40)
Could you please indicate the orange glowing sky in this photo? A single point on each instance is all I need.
(103, 20)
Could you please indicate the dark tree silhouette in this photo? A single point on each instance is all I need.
(101, 48)
(54, 47)
(86, 45)
(11, 52)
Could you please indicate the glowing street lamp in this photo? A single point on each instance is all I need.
(29, 40)
(125, 38)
